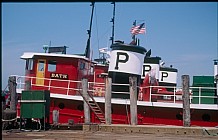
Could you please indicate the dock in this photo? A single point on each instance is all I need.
(115, 132)
(152, 129)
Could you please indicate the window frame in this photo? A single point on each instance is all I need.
(52, 65)
(29, 64)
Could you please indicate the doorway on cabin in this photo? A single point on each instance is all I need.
(40, 72)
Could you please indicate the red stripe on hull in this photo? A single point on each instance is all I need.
(73, 110)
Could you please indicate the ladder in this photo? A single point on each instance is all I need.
(95, 107)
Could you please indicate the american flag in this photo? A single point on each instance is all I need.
(140, 29)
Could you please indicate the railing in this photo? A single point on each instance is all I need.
(165, 93)
(120, 85)
(198, 95)
(49, 84)
(67, 87)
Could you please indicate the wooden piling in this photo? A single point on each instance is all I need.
(12, 89)
(186, 101)
(108, 100)
(133, 99)
(86, 96)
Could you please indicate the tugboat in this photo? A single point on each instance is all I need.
(159, 100)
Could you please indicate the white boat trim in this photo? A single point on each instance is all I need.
(139, 103)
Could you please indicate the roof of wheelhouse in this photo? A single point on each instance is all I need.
(29, 55)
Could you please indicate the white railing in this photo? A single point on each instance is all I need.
(175, 93)
(201, 91)
(198, 95)
(97, 89)
(21, 81)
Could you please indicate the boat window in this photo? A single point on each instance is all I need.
(41, 66)
(52, 65)
(29, 64)
(82, 66)
(92, 70)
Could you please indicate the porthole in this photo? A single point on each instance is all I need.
(206, 117)
(179, 116)
(61, 105)
(80, 107)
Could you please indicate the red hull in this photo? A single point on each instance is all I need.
(73, 110)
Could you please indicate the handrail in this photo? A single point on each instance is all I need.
(50, 85)
(93, 88)
(175, 94)
(116, 84)
(21, 82)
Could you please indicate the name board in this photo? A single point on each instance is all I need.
(59, 76)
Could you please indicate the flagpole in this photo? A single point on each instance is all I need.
(134, 24)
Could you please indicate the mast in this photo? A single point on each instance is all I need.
(112, 20)
(87, 51)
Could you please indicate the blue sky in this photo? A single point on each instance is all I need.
(183, 34)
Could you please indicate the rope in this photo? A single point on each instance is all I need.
(5, 89)
(9, 120)
(40, 126)
(4, 125)
(212, 134)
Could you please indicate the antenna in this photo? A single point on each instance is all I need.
(112, 20)
(87, 51)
